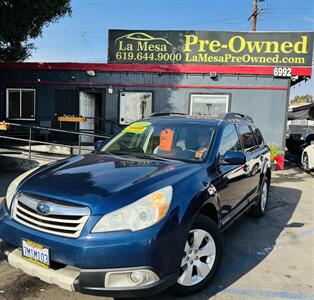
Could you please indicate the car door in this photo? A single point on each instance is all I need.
(254, 159)
(230, 182)
(310, 152)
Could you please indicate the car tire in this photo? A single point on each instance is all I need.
(305, 162)
(258, 210)
(197, 270)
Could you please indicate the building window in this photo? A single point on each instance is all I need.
(21, 104)
(208, 104)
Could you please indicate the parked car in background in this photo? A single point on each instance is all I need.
(307, 139)
(307, 157)
(300, 134)
(144, 213)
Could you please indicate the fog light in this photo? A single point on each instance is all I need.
(138, 278)
(132, 278)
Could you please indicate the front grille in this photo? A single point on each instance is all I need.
(63, 219)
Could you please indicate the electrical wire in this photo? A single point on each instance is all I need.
(88, 46)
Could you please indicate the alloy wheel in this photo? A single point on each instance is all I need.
(264, 196)
(305, 162)
(199, 258)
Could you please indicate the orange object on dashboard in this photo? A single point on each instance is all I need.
(166, 139)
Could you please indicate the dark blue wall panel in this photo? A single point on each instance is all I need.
(267, 107)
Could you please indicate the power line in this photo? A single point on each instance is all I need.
(224, 21)
(88, 46)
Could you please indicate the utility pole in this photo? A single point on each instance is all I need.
(254, 15)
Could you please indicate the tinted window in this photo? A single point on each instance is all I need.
(248, 139)
(21, 103)
(259, 137)
(229, 140)
(309, 138)
(14, 104)
(28, 104)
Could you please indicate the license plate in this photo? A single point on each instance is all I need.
(36, 253)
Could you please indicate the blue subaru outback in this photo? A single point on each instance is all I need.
(144, 212)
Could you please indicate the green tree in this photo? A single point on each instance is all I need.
(21, 20)
(302, 99)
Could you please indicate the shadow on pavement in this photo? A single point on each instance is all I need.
(249, 241)
(5, 179)
(295, 174)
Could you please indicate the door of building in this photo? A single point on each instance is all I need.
(65, 103)
(87, 110)
(208, 104)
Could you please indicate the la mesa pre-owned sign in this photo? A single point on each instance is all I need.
(208, 47)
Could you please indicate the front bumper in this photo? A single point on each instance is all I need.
(81, 264)
(160, 246)
(85, 281)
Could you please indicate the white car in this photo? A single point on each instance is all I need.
(307, 158)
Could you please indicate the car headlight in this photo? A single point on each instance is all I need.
(141, 214)
(14, 185)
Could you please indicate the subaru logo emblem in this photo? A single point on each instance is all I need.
(43, 208)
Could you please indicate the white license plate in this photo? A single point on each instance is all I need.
(36, 253)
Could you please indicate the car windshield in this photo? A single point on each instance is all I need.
(179, 141)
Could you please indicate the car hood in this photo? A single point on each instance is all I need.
(94, 179)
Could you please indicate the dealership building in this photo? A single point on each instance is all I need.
(198, 73)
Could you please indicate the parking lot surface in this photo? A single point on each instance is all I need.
(268, 258)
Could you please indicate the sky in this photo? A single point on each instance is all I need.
(83, 37)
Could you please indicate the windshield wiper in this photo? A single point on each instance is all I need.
(138, 155)
(152, 156)
(115, 153)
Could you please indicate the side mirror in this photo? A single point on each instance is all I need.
(99, 144)
(233, 158)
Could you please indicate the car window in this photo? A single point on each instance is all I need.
(259, 137)
(184, 141)
(230, 140)
(247, 137)
(309, 138)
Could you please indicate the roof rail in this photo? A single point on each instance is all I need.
(161, 114)
(237, 116)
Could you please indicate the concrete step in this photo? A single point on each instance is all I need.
(16, 157)
(22, 162)
(18, 162)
